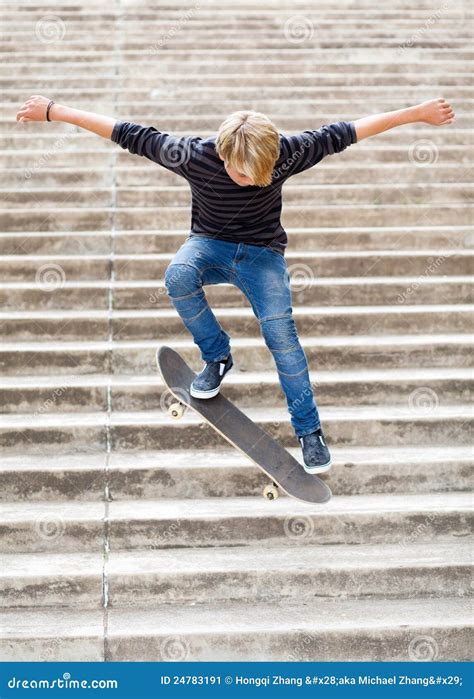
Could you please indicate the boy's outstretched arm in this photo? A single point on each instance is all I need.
(34, 109)
(437, 112)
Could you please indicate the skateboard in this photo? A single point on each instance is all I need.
(284, 472)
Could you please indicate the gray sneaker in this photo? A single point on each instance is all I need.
(207, 384)
(316, 456)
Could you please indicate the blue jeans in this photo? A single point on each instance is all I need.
(262, 275)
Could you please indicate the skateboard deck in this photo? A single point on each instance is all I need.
(283, 470)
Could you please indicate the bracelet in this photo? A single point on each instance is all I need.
(48, 108)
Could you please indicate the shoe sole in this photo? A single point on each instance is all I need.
(195, 393)
(318, 469)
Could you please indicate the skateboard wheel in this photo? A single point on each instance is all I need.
(176, 410)
(270, 492)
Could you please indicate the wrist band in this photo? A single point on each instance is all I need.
(47, 110)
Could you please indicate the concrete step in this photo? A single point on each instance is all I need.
(161, 241)
(82, 219)
(270, 574)
(173, 65)
(205, 473)
(52, 635)
(165, 323)
(243, 521)
(149, 196)
(86, 392)
(304, 267)
(323, 630)
(129, 295)
(145, 173)
(260, 575)
(351, 52)
(258, 27)
(319, 630)
(335, 84)
(376, 351)
(63, 433)
(327, 291)
(383, 77)
(104, 154)
(454, 41)
(33, 136)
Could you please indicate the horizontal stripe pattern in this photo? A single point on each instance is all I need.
(221, 208)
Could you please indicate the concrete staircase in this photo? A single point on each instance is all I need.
(127, 536)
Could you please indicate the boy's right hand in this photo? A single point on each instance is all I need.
(33, 109)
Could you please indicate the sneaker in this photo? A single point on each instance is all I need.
(207, 384)
(316, 456)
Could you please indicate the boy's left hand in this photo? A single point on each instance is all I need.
(437, 112)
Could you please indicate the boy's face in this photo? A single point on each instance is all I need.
(238, 177)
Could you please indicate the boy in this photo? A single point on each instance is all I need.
(236, 235)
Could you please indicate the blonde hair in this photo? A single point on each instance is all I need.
(249, 142)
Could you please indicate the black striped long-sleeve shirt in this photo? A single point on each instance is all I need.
(221, 208)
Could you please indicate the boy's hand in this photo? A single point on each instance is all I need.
(34, 109)
(436, 112)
